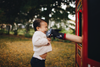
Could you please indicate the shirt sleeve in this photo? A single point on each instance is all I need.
(38, 41)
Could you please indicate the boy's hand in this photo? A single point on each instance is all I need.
(49, 41)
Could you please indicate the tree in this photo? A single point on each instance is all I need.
(20, 11)
(28, 9)
(2, 17)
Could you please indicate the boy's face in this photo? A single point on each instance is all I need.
(43, 27)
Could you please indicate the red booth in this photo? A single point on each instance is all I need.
(87, 54)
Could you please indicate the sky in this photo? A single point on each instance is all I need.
(72, 17)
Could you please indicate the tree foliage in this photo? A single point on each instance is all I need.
(22, 10)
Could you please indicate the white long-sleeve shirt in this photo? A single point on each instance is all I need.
(40, 42)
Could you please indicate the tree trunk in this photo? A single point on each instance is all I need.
(27, 28)
(8, 29)
(15, 28)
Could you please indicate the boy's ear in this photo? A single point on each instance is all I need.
(37, 28)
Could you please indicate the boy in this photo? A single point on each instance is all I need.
(41, 45)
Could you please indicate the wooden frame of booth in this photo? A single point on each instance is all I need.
(83, 54)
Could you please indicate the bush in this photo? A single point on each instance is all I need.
(27, 35)
(15, 32)
(66, 31)
(60, 40)
(67, 41)
(3, 31)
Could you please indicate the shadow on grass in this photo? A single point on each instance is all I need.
(13, 38)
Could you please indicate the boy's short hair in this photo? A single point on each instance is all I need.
(37, 22)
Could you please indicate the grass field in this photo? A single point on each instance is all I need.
(17, 51)
(23, 31)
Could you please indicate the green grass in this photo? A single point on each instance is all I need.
(23, 31)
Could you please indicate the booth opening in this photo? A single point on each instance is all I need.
(93, 30)
(80, 23)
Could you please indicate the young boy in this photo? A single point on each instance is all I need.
(41, 44)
